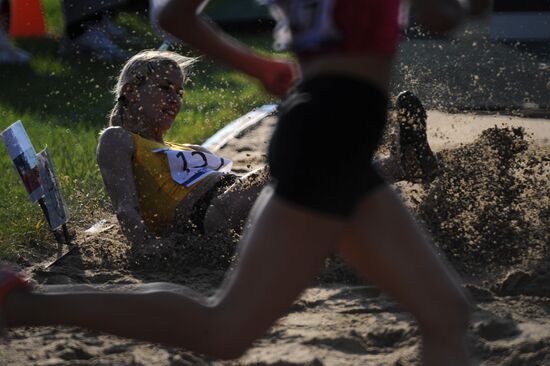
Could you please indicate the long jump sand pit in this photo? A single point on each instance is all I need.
(487, 211)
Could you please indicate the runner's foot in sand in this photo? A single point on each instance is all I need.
(417, 158)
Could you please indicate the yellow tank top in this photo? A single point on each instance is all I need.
(158, 194)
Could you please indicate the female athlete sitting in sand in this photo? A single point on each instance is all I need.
(157, 186)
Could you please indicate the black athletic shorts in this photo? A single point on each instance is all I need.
(198, 212)
(321, 152)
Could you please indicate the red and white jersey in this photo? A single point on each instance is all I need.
(310, 27)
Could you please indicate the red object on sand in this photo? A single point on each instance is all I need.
(26, 18)
(10, 281)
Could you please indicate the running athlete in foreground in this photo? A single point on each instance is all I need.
(345, 56)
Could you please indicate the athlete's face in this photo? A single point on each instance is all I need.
(159, 98)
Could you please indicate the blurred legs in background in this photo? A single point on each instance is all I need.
(9, 54)
(91, 32)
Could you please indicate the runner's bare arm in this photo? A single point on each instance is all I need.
(114, 157)
(183, 20)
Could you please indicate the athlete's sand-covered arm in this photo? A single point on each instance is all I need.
(114, 157)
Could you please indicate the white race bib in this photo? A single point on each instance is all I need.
(187, 167)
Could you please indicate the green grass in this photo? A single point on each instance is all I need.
(64, 104)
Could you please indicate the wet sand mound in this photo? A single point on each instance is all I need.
(489, 204)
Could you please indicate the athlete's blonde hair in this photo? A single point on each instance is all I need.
(136, 71)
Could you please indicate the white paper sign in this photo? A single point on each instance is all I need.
(57, 212)
(23, 155)
(187, 167)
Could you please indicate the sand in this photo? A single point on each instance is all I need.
(487, 211)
